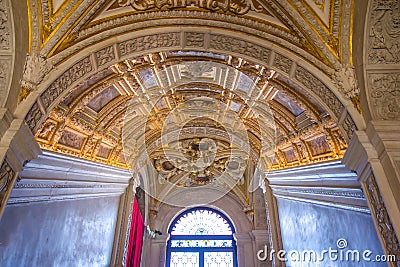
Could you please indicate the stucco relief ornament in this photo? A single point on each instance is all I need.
(35, 70)
(385, 94)
(384, 35)
(346, 80)
(5, 27)
(238, 7)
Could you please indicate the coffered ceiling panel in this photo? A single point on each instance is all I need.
(88, 121)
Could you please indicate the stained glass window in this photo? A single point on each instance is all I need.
(201, 222)
(201, 237)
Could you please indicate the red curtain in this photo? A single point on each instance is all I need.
(135, 237)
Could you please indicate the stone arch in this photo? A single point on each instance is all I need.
(228, 205)
(14, 45)
(86, 63)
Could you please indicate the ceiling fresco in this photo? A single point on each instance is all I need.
(88, 121)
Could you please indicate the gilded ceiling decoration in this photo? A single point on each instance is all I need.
(316, 31)
(194, 105)
(207, 121)
(316, 27)
(88, 121)
(190, 119)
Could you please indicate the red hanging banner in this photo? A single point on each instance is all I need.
(135, 237)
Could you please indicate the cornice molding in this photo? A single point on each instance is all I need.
(56, 177)
(55, 166)
(328, 184)
(327, 174)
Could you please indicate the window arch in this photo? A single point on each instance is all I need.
(201, 237)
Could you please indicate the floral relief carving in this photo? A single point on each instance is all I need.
(195, 39)
(238, 7)
(77, 71)
(282, 63)
(385, 94)
(320, 89)
(230, 44)
(7, 179)
(381, 216)
(4, 72)
(105, 55)
(349, 126)
(4, 25)
(33, 117)
(384, 32)
(149, 42)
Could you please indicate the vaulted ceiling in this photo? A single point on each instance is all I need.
(88, 121)
(246, 82)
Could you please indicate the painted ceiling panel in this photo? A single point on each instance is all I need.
(104, 97)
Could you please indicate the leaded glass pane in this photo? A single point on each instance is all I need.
(201, 222)
(218, 259)
(184, 259)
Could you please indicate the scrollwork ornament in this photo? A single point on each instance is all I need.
(7, 176)
(35, 69)
(385, 94)
(4, 26)
(378, 210)
(384, 33)
(238, 7)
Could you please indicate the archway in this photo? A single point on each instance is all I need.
(201, 236)
(74, 52)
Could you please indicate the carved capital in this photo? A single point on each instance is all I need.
(35, 69)
(346, 81)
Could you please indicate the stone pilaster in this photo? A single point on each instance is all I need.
(261, 241)
(245, 252)
(17, 146)
(375, 155)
